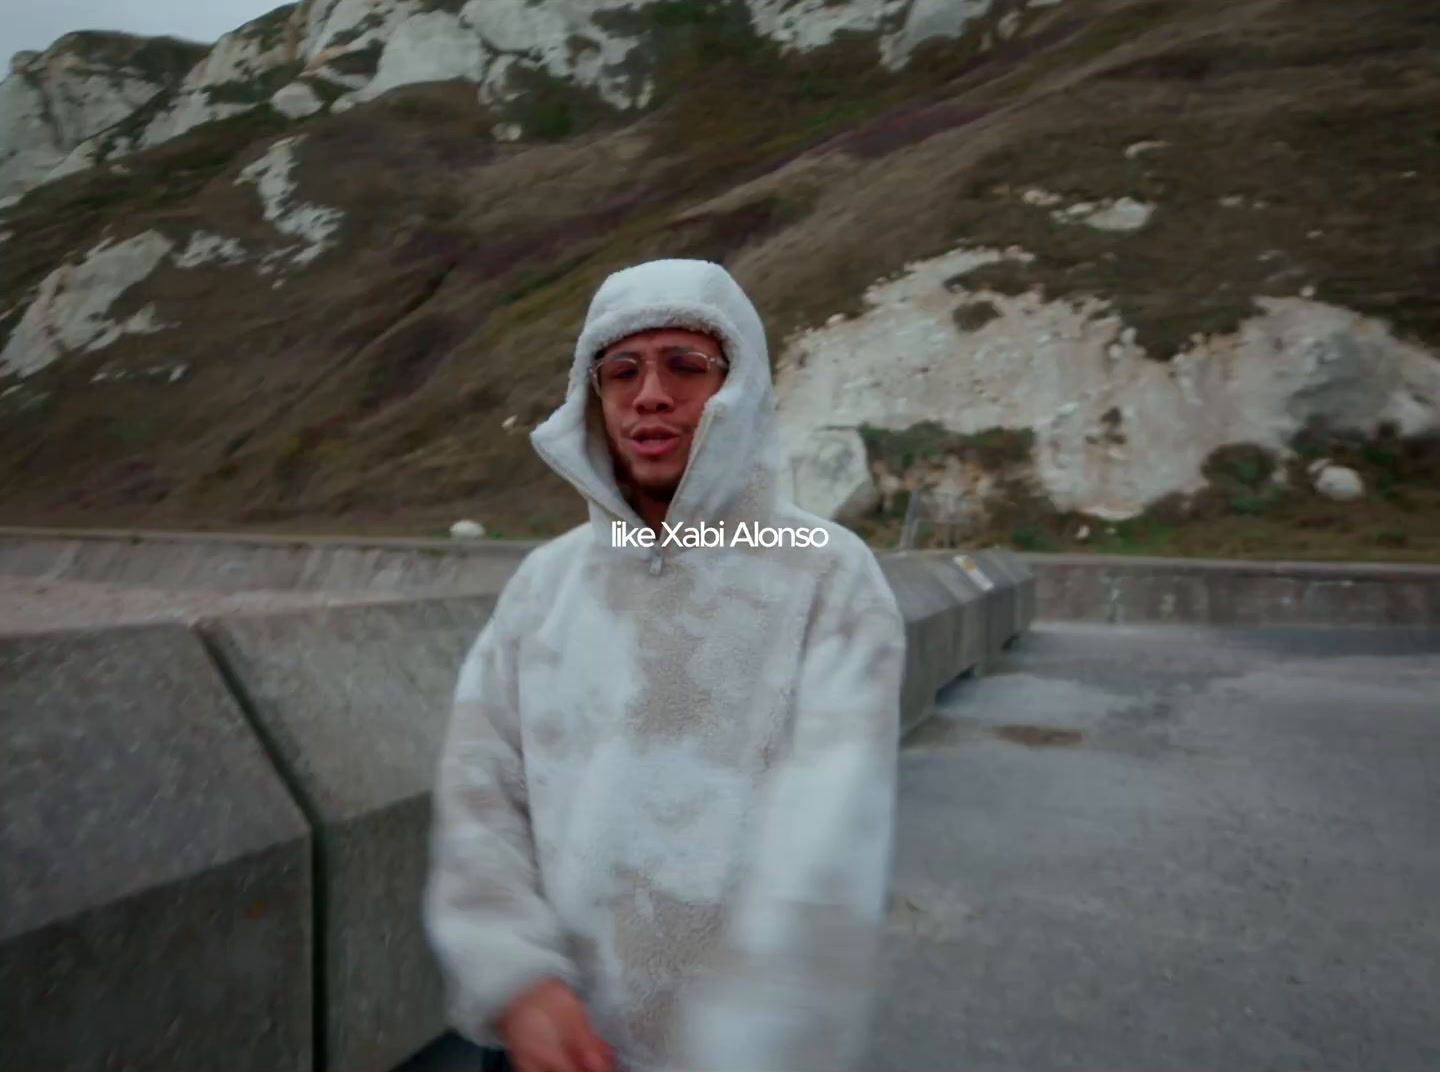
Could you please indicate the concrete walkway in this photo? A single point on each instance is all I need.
(1166, 848)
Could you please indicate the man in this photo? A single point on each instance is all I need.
(664, 814)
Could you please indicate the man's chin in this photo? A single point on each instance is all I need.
(660, 484)
(659, 490)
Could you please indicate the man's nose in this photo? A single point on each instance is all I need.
(653, 394)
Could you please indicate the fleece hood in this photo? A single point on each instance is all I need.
(733, 469)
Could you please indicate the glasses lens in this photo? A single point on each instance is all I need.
(616, 370)
(681, 370)
(687, 363)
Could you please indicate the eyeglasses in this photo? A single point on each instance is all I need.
(682, 371)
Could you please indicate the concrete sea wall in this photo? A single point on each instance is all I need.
(213, 831)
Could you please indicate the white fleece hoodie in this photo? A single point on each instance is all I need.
(670, 773)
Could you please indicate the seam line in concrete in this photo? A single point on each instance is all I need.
(319, 884)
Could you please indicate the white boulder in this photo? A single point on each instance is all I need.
(1122, 214)
(296, 101)
(467, 530)
(1340, 483)
(832, 475)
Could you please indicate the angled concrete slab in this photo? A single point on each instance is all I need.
(155, 896)
(355, 702)
(208, 562)
(1122, 589)
(946, 625)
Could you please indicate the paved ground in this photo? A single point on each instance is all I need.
(1168, 848)
(1227, 856)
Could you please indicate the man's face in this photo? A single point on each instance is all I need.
(652, 404)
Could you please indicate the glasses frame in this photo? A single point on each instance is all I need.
(713, 360)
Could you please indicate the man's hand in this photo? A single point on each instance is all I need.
(546, 1029)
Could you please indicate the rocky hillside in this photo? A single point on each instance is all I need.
(1126, 274)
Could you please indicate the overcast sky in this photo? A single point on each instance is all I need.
(37, 23)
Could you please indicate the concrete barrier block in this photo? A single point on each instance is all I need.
(155, 887)
(1019, 586)
(944, 629)
(1116, 589)
(975, 611)
(214, 563)
(996, 595)
(355, 701)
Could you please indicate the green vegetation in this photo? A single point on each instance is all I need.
(992, 449)
(372, 21)
(256, 90)
(327, 91)
(468, 264)
(269, 29)
(551, 109)
(165, 60)
(363, 62)
(975, 315)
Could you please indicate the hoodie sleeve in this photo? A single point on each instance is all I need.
(793, 986)
(493, 933)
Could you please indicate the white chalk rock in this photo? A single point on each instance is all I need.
(1140, 148)
(467, 530)
(296, 101)
(1340, 483)
(70, 312)
(832, 475)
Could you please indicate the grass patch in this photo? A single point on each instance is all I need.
(551, 109)
(975, 315)
(328, 92)
(164, 60)
(399, 363)
(717, 236)
(992, 449)
(350, 34)
(256, 90)
(269, 30)
(361, 63)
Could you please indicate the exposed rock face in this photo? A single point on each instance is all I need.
(832, 477)
(313, 224)
(71, 108)
(1083, 256)
(239, 73)
(1340, 483)
(296, 101)
(69, 313)
(54, 101)
(1115, 431)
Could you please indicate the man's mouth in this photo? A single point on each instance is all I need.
(653, 442)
